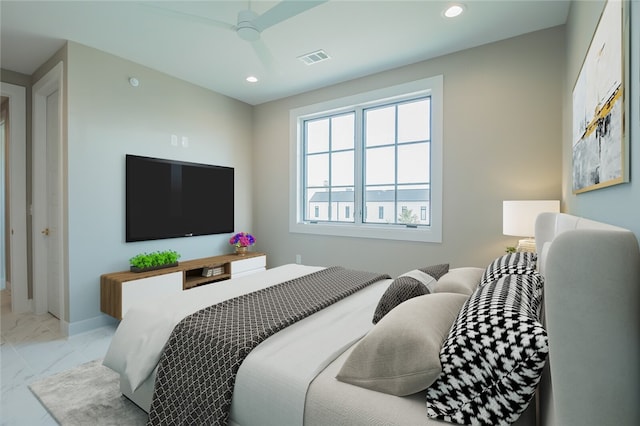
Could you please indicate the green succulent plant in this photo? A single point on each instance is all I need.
(158, 258)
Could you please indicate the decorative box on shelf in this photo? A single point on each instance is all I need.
(212, 271)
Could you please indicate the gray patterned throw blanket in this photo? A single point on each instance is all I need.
(197, 370)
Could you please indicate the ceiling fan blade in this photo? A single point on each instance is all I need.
(263, 53)
(194, 18)
(284, 10)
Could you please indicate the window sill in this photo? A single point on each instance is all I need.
(427, 234)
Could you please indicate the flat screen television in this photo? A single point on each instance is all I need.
(171, 199)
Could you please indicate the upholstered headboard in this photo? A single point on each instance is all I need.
(592, 315)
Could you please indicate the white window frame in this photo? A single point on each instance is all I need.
(433, 87)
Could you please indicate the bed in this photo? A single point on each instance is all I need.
(592, 314)
(291, 377)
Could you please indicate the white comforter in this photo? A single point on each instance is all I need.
(274, 378)
(138, 342)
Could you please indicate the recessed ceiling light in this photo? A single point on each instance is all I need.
(453, 10)
(252, 79)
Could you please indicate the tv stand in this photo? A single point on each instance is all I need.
(121, 290)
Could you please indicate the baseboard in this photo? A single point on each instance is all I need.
(83, 326)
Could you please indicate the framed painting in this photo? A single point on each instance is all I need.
(600, 138)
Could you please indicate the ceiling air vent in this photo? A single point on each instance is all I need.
(314, 57)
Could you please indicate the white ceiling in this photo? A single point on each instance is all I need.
(361, 36)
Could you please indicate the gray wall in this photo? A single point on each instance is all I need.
(619, 204)
(107, 118)
(502, 140)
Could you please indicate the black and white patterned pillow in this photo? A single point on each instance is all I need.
(407, 286)
(510, 264)
(493, 356)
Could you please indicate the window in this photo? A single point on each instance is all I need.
(329, 163)
(379, 149)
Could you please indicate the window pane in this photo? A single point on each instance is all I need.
(318, 170)
(330, 205)
(380, 126)
(380, 166)
(413, 121)
(380, 200)
(342, 168)
(317, 205)
(413, 163)
(317, 135)
(343, 132)
(413, 205)
(340, 199)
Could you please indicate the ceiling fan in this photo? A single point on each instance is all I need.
(250, 25)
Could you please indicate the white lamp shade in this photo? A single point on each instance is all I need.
(519, 217)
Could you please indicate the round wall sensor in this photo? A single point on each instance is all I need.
(134, 82)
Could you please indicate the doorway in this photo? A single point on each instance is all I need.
(5, 271)
(14, 225)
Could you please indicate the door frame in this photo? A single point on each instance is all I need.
(47, 85)
(17, 166)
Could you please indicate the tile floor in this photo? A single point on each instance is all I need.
(32, 347)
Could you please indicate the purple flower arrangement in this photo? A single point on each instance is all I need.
(242, 239)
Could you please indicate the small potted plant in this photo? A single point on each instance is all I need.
(156, 260)
(242, 241)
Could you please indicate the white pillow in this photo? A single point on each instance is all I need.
(401, 354)
(459, 280)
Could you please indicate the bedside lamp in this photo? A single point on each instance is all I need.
(519, 219)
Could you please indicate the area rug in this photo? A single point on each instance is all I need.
(87, 395)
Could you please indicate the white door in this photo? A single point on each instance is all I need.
(54, 206)
(47, 193)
